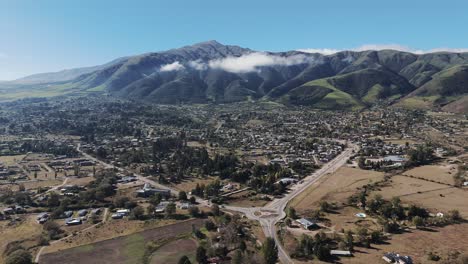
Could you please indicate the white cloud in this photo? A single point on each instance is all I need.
(321, 51)
(251, 62)
(384, 47)
(198, 65)
(175, 66)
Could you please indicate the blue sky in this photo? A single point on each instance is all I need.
(50, 35)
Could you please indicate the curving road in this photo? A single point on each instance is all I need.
(268, 215)
(273, 212)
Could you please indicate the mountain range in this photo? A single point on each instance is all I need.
(210, 72)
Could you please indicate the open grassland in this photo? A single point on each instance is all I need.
(335, 187)
(124, 249)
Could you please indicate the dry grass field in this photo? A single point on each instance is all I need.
(336, 187)
(32, 185)
(433, 196)
(346, 219)
(245, 199)
(417, 244)
(439, 173)
(23, 230)
(189, 184)
(11, 160)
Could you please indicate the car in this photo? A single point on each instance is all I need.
(73, 221)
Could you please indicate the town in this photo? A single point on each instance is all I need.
(227, 183)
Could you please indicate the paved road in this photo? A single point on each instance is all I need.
(138, 176)
(271, 213)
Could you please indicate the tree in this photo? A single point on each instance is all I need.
(291, 213)
(270, 251)
(19, 256)
(194, 211)
(209, 225)
(237, 258)
(324, 206)
(201, 255)
(193, 200)
(349, 240)
(53, 229)
(454, 215)
(138, 213)
(155, 199)
(215, 210)
(170, 209)
(54, 200)
(418, 221)
(376, 237)
(242, 246)
(150, 210)
(363, 237)
(184, 260)
(182, 196)
(362, 162)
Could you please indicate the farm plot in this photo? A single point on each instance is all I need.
(173, 251)
(126, 249)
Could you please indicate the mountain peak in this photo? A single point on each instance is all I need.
(209, 42)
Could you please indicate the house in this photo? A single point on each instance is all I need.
(392, 257)
(42, 215)
(161, 207)
(148, 191)
(344, 253)
(184, 206)
(67, 214)
(8, 211)
(307, 223)
(286, 181)
(123, 212)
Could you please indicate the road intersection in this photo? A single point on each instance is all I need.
(269, 215)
